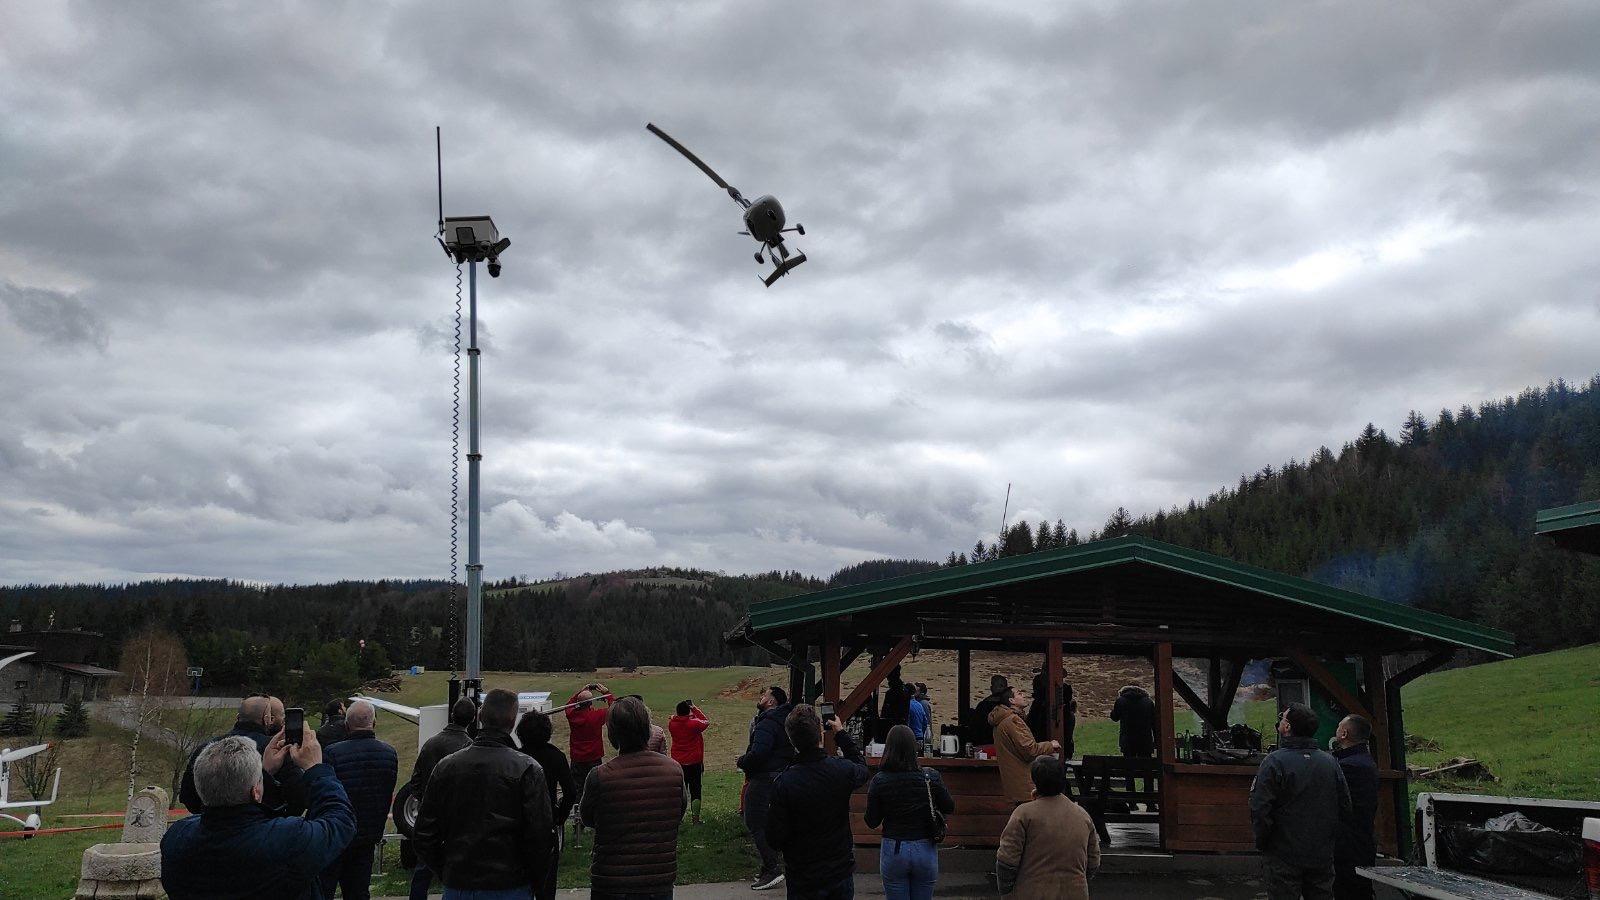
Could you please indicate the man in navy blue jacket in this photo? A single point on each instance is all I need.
(236, 850)
(367, 767)
(1355, 844)
(810, 817)
(768, 754)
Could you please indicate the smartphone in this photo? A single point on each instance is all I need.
(294, 725)
(825, 711)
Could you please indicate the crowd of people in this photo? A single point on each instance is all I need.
(284, 815)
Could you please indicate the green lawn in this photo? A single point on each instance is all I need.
(1535, 721)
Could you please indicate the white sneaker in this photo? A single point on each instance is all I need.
(768, 884)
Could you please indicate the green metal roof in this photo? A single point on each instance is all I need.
(1576, 527)
(945, 582)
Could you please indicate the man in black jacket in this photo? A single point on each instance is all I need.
(451, 738)
(251, 723)
(367, 767)
(1355, 844)
(485, 819)
(809, 821)
(1135, 712)
(1296, 803)
(768, 754)
(333, 728)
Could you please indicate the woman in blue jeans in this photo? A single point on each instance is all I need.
(901, 798)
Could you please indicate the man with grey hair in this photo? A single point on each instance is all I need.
(236, 849)
(367, 767)
(255, 721)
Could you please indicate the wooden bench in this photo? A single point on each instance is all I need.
(1109, 786)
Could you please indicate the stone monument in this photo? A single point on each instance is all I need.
(132, 867)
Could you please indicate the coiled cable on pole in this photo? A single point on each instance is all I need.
(455, 484)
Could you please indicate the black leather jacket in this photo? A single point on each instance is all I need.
(485, 817)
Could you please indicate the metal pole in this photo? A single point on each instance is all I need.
(474, 566)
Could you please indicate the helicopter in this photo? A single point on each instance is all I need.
(763, 217)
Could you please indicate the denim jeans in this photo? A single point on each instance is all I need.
(909, 869)
(516, 893)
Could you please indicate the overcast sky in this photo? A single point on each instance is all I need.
(1113, 253)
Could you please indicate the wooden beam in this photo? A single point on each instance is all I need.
(1378, 699)
(1433, 661)
(830, 679)
(1052, 692)
(851, 656)
(1330, 685)
(1213, 680)
(1161, 660)
(797, 673)
(1230, 688)
(783, 653)
(847, 707)
(1200, 706)
(963, 690)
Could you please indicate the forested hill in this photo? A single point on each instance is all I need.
(1440, 517)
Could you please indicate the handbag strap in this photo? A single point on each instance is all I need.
(927, 782)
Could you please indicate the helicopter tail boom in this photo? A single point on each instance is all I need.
(733, 192)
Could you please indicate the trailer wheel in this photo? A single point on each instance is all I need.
(406, 804)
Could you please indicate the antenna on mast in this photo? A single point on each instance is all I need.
(1004, 511)
(438, 162)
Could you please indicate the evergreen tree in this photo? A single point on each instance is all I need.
(21, 720)
(73, 720)
(1119, 524)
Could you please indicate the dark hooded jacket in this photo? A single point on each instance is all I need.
(1137, 714)
(809, 820)
(1356, 843)
(770, 751)
(1297, 803)
(244, 851)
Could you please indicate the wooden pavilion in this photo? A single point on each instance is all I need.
(1131, 596)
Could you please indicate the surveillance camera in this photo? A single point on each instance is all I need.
(494, 268)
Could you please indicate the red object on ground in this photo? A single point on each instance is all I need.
(1591, 856)
(586, 744)
(688, 737)
(29, 834)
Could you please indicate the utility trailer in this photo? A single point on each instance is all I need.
(1443, 877)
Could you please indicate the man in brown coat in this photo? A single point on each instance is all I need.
(634, 803)
(1015, 746)
(1048, 850)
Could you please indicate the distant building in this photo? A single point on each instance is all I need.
(62, 665)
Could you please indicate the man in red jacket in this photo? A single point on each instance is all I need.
(689, 749)
(585, 723)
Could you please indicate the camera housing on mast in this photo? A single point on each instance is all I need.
(473, 239)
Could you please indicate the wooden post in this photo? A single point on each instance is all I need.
(1214, 685)
(963, 690)
(1056, 723)
(797, 671)
(1378, 701)
(830, 676)
(1166, 752)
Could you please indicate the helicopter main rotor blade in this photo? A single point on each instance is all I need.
(687, 155)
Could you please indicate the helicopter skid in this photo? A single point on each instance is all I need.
(782, 268)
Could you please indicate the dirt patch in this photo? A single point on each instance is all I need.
(747, 688)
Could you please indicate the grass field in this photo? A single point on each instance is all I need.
(1535, 721)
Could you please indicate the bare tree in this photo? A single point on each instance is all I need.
(157, 671)
(38, 771)
(184, 727)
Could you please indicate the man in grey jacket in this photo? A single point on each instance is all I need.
(1296, 803)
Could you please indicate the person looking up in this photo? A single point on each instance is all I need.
(809, 817)
(1355, 844)
(451, 738)
(485, 825)
(236, 849)
(902, 798)
(251, 724)
(634, 803)
(585, 722)
(367, 768)
(1296, 804)
(1015, 747)
(533, 733)
(332, 730)
(768, 753)
(688, 728)
(1049, 849)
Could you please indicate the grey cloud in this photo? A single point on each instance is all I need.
(54, 317)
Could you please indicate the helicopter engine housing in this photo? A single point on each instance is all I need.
(764, 219)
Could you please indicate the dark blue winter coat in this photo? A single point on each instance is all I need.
(245, 853)
(368, 768)
(809, 819)
(770, 751)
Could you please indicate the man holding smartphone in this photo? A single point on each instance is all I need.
(809, 819)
